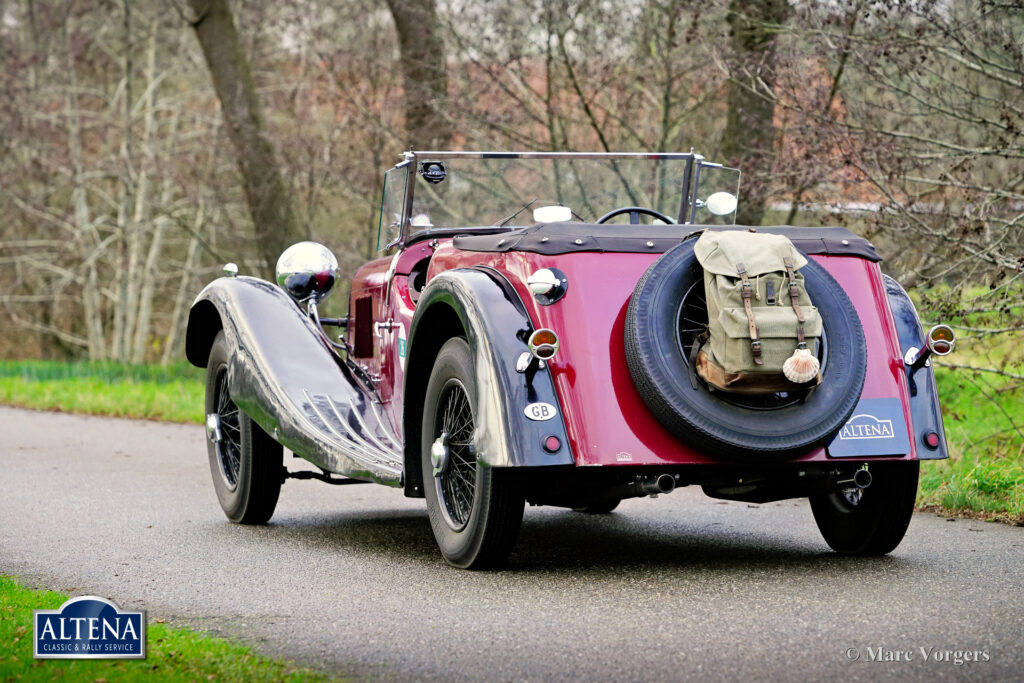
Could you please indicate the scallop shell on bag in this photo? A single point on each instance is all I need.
(801, 367)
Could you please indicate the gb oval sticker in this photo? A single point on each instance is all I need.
(540, 411)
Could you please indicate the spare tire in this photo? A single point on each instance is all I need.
(666, 314)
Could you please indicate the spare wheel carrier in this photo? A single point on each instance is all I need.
(727, 426)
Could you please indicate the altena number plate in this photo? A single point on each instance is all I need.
(540, 411)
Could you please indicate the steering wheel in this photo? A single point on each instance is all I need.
(634, 215)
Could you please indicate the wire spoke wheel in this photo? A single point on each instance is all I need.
(245, 462)
(475, 510)
(456, 484)
(229, 448)
(850, 497)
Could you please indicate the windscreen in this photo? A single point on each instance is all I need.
(477, 192)
(717, 190)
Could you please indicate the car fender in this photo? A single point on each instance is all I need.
(925, 413)
(480, 304)
(283, 374)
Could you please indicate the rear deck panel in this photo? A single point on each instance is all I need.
(607, 421)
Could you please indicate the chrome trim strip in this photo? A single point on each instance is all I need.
(449, 154)
(366, 430)
(355, 448)
(388, 432)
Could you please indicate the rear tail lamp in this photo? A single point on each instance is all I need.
(543, 344)
(941, 340)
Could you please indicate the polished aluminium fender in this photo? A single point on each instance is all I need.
(925, 413)
(284, 375)
(496, 326)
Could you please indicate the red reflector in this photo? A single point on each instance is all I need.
(552, 444)
(931, 440)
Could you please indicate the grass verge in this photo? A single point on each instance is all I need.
(984, 475)
(173, 393)
(172, 654)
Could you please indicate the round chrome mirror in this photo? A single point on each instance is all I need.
(307, 271)
(721, 203)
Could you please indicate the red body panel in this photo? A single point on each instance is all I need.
(368, 286)
(388, 362)
(886, 376)
(607, 421)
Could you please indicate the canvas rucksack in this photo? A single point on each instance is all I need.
(763, 330)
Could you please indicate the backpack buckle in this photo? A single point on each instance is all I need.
(755, 351)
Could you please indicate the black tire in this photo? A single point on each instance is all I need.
(246, 463)
(874, 521)
(599, 508)
(733, 426)
(475, 511)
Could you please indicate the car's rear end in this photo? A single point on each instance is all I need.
(615, 326)
(856, 437)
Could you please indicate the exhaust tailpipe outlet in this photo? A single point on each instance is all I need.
(666, 483)
(861, 479)
(655, 484)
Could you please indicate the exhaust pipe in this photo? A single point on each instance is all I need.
(640, 486)
(655, 484)
(861, 479)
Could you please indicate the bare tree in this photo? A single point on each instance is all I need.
(530, 75)
(269, 201)
(906, 122)
(919, 119)
(749, 141)
(121, 196)
(102, 123)
(424, 73)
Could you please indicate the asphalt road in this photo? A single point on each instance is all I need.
(347, 579)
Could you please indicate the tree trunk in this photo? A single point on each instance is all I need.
(179, 316)
(269, 201)
(749, 138)
(147, 276)
(424, 73)
(92, 306)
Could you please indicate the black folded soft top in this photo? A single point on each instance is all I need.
(567, 238)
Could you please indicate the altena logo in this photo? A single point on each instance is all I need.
(89, 628)
(866, 427)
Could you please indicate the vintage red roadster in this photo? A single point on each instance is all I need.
(519, 342)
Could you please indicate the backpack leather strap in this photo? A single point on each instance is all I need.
(747, 291)
(794, 298)
(700, 341)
